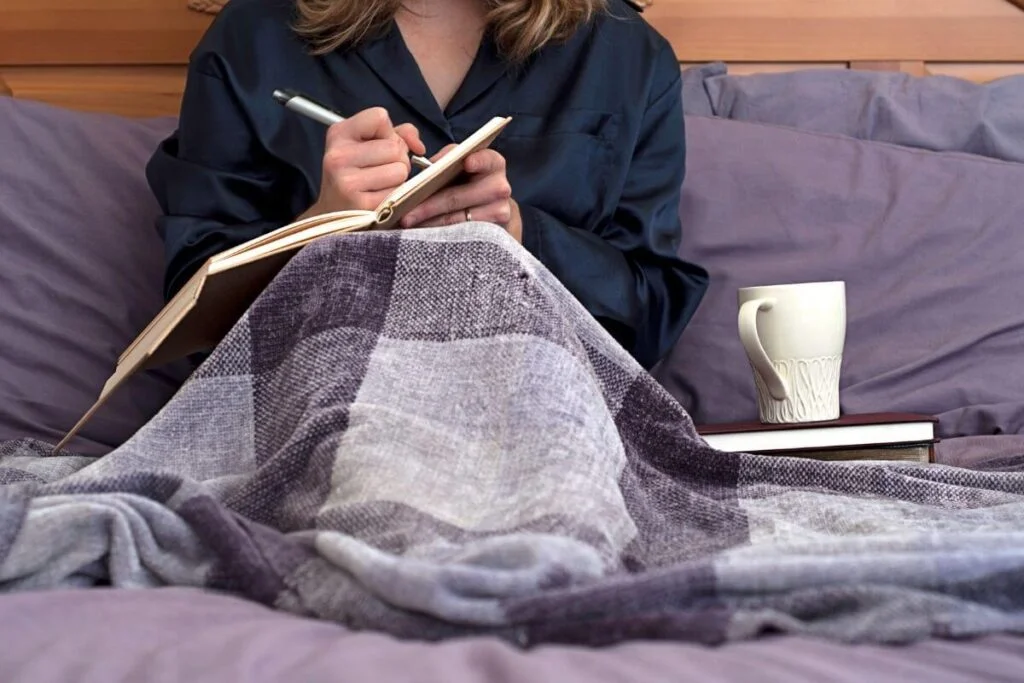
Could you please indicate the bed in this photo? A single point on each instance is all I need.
(879, 141)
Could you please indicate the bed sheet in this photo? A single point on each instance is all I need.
(179, 634)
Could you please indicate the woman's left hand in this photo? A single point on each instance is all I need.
(485, 196)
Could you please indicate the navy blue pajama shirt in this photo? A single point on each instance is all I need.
(595, 152)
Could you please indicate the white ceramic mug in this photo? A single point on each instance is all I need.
(794, 336)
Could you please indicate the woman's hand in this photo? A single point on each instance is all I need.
(485, 196)
(365, 158)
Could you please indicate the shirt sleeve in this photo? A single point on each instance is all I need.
(626, 272)
(215, 183)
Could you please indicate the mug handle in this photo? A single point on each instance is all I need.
(755, 350)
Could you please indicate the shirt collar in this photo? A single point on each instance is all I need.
(389, 57)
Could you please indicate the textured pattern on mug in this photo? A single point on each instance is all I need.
(813, 394)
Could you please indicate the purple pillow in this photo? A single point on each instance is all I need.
(938, 113)
(80, 271)
(696, 100)
(928, 243)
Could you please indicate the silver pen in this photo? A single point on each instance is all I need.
(309, 108)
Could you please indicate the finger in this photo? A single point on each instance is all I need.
(478, 192)
(411, 136)
(444, 150)
(484, 161)
(374, 199)
(499, 212)
(369, 124)
(372, 179)
(447, 201)
(366, 154)
(373, 123)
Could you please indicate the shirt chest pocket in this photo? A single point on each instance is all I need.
(563, 162)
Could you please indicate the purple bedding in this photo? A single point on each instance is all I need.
(421, 432)
(888, 203)
(1000, 452)
(174, 635)
(939, 113)
(762, 537)
(928, 244)
(180, 634)
(79, 271)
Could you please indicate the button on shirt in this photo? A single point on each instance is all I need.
(595, 151)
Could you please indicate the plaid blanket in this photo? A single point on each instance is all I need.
(423, 433)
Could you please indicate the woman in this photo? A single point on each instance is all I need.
(586, 176)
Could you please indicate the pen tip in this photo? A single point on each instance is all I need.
(283, 96)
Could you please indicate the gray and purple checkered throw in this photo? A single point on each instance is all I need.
(421, 432)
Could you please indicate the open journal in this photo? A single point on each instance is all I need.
(213, 300)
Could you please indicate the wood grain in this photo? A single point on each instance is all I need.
(5, 90)
(128, 91)
(94, 32)
(912, 68)
(841, 30)
(978, 73)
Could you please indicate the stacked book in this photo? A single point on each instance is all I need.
(871, 436)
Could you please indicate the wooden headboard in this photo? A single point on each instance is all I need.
(128, 56)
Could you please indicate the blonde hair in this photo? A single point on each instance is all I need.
(520, 27)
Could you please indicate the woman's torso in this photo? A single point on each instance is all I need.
(576, 108)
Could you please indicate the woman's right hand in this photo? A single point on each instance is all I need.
(365, 158)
